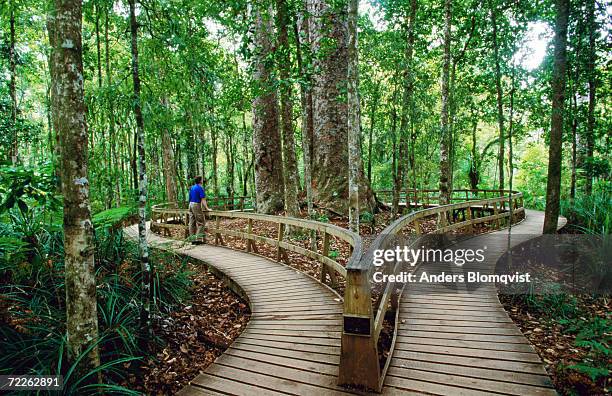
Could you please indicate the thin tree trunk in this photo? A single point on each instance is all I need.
(266, 133)
(373, 108)
(354, 123)
(145, 316)
(113, 170)
(445, 188)
(69, 109)
(290, 171)
(500, 105)
(590, 138)
(553, 186)
(405, 116)
(574, 146)
(12, 86)
(168, 159)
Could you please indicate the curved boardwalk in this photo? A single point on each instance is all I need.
(462, 342)
(448, 343)
(292, 342)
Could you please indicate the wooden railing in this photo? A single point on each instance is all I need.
(363, 320)
(241, 203)
(429, 197)
(169, 221)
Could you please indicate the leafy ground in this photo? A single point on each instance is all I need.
(192, 337)
(572, 334)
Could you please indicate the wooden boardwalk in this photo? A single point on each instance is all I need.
(460, 342)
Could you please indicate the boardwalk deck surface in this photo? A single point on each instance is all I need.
(448, 343)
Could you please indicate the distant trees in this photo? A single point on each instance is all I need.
(69, 113)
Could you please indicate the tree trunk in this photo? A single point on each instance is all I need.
(553, 186)
(330, 112)
(500, 105)
(405, 116)
(12, 86)
(111, 123)
(168, 158)
(266, 134)
(69, 109)
(145, 317)
(290, 171)
(590, 136)
(353, 126)
(445, 187)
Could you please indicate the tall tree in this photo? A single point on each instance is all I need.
(406, 116)
(145, 268)
(168, 159)
(69, 113)
(445, 177)
(266, 134)
(553, 185)
(353, 125)
(499, 96)
(592, 56)
(290, 171)
(12, 85)
(330, 112)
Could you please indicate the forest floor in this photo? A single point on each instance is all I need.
(194, 336)
(574, 349)
(569, 325)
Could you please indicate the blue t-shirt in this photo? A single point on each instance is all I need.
(196, 193)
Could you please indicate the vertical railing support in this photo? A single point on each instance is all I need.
(279, 250)
(359, 355)
(325, 253)
(249, 242)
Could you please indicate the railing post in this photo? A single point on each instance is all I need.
(496, 213)
(324, 253)
(359, 354)
(249, 233)
(279, 250)
(468, 214)
(217, 226)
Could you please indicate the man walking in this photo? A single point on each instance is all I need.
(197, 200)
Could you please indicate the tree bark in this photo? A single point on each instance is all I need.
(353, 125)
(168, 158)
(290, 171)
(69, 109)
(145, 316)
(405, 116)
(553, 186)
(500, 104)
(12, 85)
(590, 138)
(328, 30)
(445, 187)
(266, 133)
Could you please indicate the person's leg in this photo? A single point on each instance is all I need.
(200, 219)
(192, 220)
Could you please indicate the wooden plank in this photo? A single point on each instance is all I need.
(269, 381)
(288, 373)
(474, 372)
(315, 367)
(528, 357)
(210, 382)
(465, 329)
(328, 350)
(317, 341)
(498, 364)
(396, 377)
(407, 340)
(492, 338)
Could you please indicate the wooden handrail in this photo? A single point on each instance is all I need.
(166, 217)
(362, 322)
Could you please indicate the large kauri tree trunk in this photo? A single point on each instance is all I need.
(353, 125)
(266, 131)
(69, 118)
(330, 112)
(553, 185)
